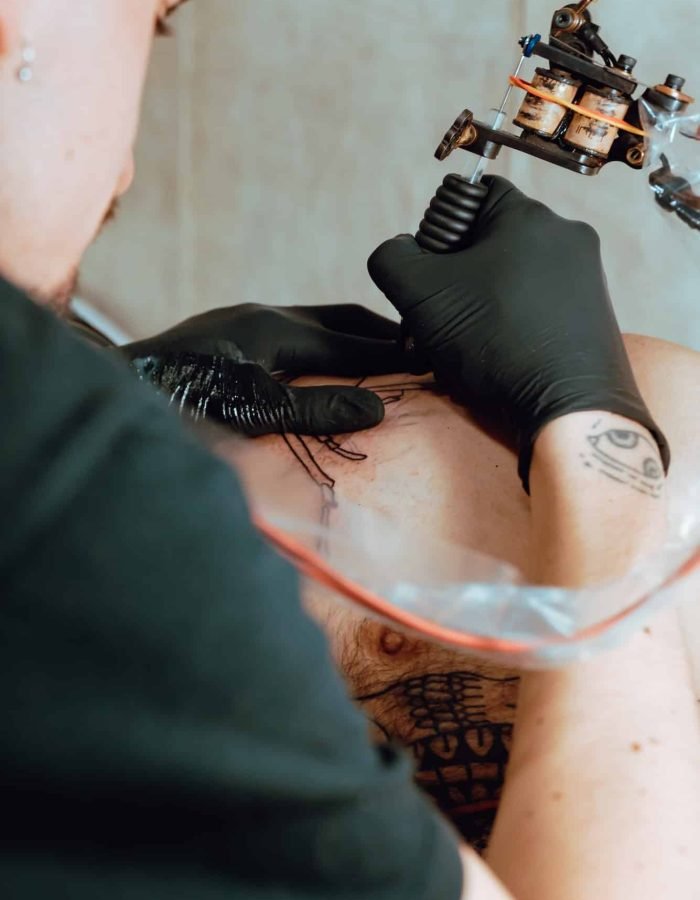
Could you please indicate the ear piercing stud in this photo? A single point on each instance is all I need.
(25, 72)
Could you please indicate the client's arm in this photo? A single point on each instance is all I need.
(602, 797)
(520, 326)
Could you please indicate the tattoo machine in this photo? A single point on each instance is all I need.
(578, 113)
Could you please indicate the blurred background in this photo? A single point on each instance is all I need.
(282, 140)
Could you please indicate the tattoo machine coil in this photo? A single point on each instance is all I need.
(579, 113)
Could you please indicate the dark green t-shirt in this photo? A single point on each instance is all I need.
(172, 726)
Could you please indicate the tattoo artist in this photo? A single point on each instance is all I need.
(173, 726)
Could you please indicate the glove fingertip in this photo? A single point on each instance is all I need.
(392, 252)
(360, 412)
(335, 410)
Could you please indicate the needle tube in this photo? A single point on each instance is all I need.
(483, 162)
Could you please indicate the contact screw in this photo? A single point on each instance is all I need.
(453, 210)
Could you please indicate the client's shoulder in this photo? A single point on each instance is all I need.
(668, 376)
(677, 360)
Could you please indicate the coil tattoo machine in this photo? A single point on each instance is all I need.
(579, 113)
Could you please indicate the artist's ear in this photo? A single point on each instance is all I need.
(10, 30)
(9, 23)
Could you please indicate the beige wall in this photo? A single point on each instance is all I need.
(283, 139)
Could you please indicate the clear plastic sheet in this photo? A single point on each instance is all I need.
(454, 595)
(673, 154)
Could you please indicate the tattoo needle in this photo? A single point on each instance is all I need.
(483, 162)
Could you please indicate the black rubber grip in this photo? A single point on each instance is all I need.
(448, 220)
(445, 229)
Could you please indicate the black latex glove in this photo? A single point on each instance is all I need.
(218, 366)
(519, 326)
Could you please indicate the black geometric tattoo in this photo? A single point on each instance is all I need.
(625, 456)
(459, 726)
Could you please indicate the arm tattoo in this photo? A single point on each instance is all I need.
(628, 457)
(459, 727)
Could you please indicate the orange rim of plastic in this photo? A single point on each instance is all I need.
(309, 563)
(588, 113)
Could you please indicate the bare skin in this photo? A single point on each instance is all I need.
(454, 712)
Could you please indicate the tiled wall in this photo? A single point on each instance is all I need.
(283, 139)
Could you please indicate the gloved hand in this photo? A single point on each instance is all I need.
(520, 324)
(218, 366)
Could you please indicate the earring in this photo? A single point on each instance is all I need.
(25, 72)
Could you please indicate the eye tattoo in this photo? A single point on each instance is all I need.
(626, 456)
